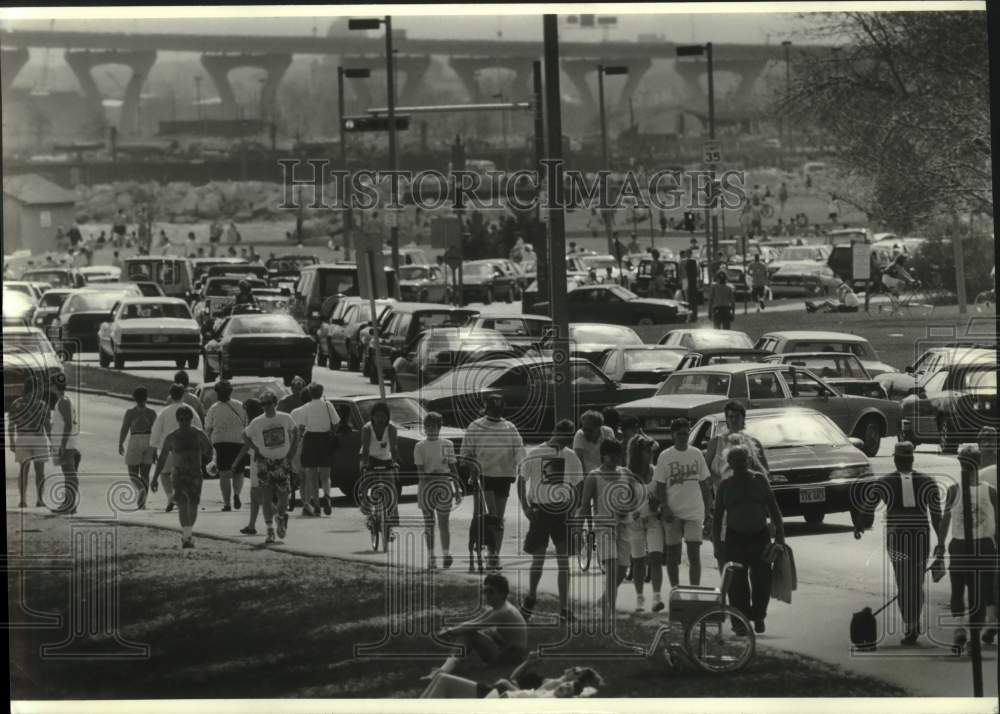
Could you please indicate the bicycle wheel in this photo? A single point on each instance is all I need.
(386, 530)
(713, 645)
(593, 549)
(583, 549)
(375, 530)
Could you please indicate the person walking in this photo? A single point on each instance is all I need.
(437, 467)
(288, 404)
(224, 425)
(496, 446)
(550, 479)
(189, 451)
(733, 434)
(782, 198)
(308, 495)
(745, 502)
(721, 302)
(588, 439)
(318, 425)
(163, 425)
(645, 530)
(683, 489)
(757, 271)
(253, 410)
(972, 563)
(692, 279)
(137, 424)
(272, 439)
(912, 499)
(65, 446)
(189, 398)
(28, 426)
(119, 228)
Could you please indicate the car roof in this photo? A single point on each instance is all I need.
(732, 368)
(497, 315)
(14, 330)
(769, 412)
(712, 351)
(154, 300)
(809, 335)
(789, 355)
(663, 348)
(427, 306)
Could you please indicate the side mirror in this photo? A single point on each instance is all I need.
(337, 321)
(908, 369)
(857, 443)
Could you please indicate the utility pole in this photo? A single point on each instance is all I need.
(347, 221)
(540, 238)
(711, 135)
(956, 242)
(390, 90)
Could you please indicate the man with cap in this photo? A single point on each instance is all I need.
(912, 500)
(972, 563)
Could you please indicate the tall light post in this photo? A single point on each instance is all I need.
(601, 72)
(786, 45)
(347, 221)
(390, 85)
(711, 222)
(503, 132)
(197, 95)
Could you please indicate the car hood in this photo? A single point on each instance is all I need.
(31, 360)
(659, 302)
(877, 368)
(671, 403)
(813, 457)
(164, 324)
(796, 267)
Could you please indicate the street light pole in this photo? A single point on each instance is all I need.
(197, 96)
(390, 89)
(601, 71)
(346, 218)
(711, 135)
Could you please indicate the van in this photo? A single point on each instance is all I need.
(172, 274)
(57, 277)
(321, 286)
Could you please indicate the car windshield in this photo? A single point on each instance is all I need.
(56, 278)
(801, 252)
(714, 339)
(222, 287)
(780, 430)
(645, 360)
(159, 310)
(468, 379)
(426, 320)
(701, 383)
(263, 324)
(847, 367)
(863, 350)
(604, 335)
(93, 302)
(599, 262)
(980, 379)
(53, 299)
(26, 343)
(414, 272)
(402, 410)
(477, 270)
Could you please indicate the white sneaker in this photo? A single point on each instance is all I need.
(640, 603)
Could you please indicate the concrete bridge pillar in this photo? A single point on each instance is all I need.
(737, 101)
(415, 68)
(637, 69)
(467, 69)
(82, 64)
(219, 66)
(577, 71)
(11, 62)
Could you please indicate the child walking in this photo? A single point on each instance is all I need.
(436, 465)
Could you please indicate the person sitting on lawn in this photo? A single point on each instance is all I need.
(498, 635)
(522, 684)
(847, 301)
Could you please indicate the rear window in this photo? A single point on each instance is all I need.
(262, 324)
(713, 384)
(426, 320)
(830, 366)
(604, 335)
(714, 339)
(338, 282)
(56, 278)
(860, 349)
(92, 302)
(229, 286)
(143, 311)
(51, 299)
(642, 360)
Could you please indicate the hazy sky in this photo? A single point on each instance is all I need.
(721, 28)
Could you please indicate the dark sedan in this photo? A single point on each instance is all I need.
(838, 369)
(527, 385)
(436, 351)
(914, 376)
(81, 315)
(260, 345)
(616, 305)
(703, 358)
(645, 364)
(486, 280)
(406, 413)
(812, 463)
(954, 404)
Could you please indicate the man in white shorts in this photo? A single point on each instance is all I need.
(682, 487)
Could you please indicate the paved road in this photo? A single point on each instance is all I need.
(837, 574)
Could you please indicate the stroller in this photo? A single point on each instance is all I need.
(485, 529)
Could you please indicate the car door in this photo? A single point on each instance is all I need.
(213, 348)
(593, 390)
(765, 388)
(345, 458)
(807, 390)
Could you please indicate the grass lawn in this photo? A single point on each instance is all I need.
(898, 339)
(228, 620)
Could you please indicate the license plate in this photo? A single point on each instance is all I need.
(271, 364)
(812, 495)
(161, 338)
(665, 421)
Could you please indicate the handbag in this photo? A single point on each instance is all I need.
(333, 441)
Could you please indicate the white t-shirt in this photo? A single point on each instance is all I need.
(545, 469)
(317, 416)
(225, 422)
(434, 457)
(683, 472)
(496, 445)
(272, 435)
(988, 474)
(983, 525)
(850, 299)
(591, 450)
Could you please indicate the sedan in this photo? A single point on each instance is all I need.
(701, 391)
(522, 331)
(528, 387)
(49, 306)
(914, 377)
(838, 369)
(803, 279)
(616, 305)
(648, 364)
(703, 358)
(817, 341)
(440, 349)
(423, 283)
(813, 464)
(592, 341)
(485, 280)
(150, 329)
(260, 345)
(707, 339)
(347, 332)
(27, 355)
(406, 413)
(81, 315)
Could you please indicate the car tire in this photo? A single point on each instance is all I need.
(946, 436)
(193, 361)
(814, 518)
(488, 298)
(645, 321)
(103, 358)
(871, 431)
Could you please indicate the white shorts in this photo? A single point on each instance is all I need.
(646, 536)
(613, 543)
(679, 529)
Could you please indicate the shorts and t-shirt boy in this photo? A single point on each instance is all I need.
(434, 459)
(682, 472)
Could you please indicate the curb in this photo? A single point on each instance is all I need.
(113, 395)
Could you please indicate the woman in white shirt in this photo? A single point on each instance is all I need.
(224, 425)
(318, 421)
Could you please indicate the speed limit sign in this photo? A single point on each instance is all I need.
(712, 152)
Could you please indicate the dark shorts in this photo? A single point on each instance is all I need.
(499, 486)
(758, 292)
(316, 450)
(547, 526)
(187, 485)
(225, 455)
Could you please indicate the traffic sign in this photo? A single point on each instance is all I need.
(711, 152)
(861, 255)
(452, 258)
(375, 123)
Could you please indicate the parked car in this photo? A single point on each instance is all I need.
(724, 355)
(813, 465)
(809, 255)
(18, 309)
(913, 377)
(403, 322)
(55, 276)
(803, 280)
(704, 338)
(143, 329)
(523, 332)
(341, 337)
(485, 280)
(288, 265)
(616, 305)
(592, 341)
(101, 273)
(701, 391)
(645, 364)
(48, 307)
(242, 390)
(438, 350)
(954, 404)
(27, 355)
(260, 345)
(838, 369)
(423, 283)
(809, 341)
(527, 384)
(405, 412)
(76, 325)
(598, 268)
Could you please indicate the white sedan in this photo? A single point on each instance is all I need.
(158, 328)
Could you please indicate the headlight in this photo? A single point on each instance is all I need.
(848, 472)
(314, 313)
(779, 478)
(39, 320)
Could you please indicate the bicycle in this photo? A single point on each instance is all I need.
(586, 546)
(378, 495)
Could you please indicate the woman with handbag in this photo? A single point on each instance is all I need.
(318, 423)
(224, 425)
